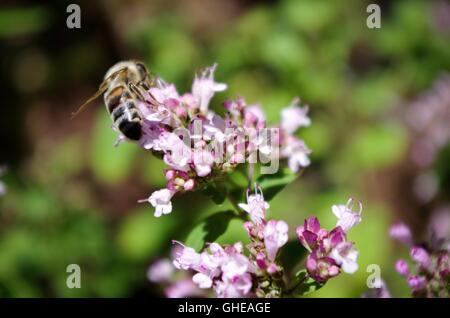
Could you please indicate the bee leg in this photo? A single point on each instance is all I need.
(145, 83)
(136, 90)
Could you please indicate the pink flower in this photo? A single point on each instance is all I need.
(226, 269)
(255, 206)
(402, 267)
(204, 87)
(310, 233)
(275, 236)
(321, 268)
(417, 283)
(421, 257)
(186, 258)
(160, 200)
(294, 117)
(183, 289)
(378, 292)
(203, 161)
(177, 153)
(235, 107)
(330, 251)
(150, 136)
(179, 181)
(236, 288)
(443, 265)
(297, 153)
(202, 280)
(346, 217)
(163, 91)
(254, 117)
(401, 232)
(160, 271)
(346, 256)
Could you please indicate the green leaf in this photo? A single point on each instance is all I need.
(216, 192)
(271, 184)
(209, 229)
(291, 254)
(306, 285)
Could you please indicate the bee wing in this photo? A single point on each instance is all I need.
(102, 88)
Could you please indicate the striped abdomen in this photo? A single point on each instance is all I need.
(124, 113)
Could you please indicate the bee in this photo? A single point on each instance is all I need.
(122, 86)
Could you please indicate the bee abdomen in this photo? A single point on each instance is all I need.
(113, 98)
(127, 119)
(131, 129)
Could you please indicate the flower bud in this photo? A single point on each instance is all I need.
(401, 232)
(421, 257)
(402, 267)
(416, 283)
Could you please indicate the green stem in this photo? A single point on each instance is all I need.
(293, 288)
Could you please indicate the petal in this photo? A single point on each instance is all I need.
(202, 280)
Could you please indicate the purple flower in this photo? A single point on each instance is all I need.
(381, 292)
(331, 240)
(275, 236)
(254, 117)
(202, 280)
(183, 289)
(179, 181)
(255, 206)
(177, 153)
(443, 265)
(416, 283)
(226, 269)
(186, 258)
(310, 233)
(150, 136)
(203, 161)
(421, 257)
(238, 287)
(297, 153)
(402, 267)
(401, 232)
(321, 268)
(346, 256)
(346, 217)
(439, 227)
(160, 200)
(160, 271)
(204, 87)
(293, 117)
(330, 251)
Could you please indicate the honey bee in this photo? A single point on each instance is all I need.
(122, 86)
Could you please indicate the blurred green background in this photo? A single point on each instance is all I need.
(71, 197)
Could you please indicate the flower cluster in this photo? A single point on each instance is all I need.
(228, 270)
(429, 276)
(329, 250)
(198, 145)
(231, 273)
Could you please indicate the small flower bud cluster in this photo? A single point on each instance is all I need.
(329, 250)
(429, 275)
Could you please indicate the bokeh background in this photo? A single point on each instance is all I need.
(71, 197)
